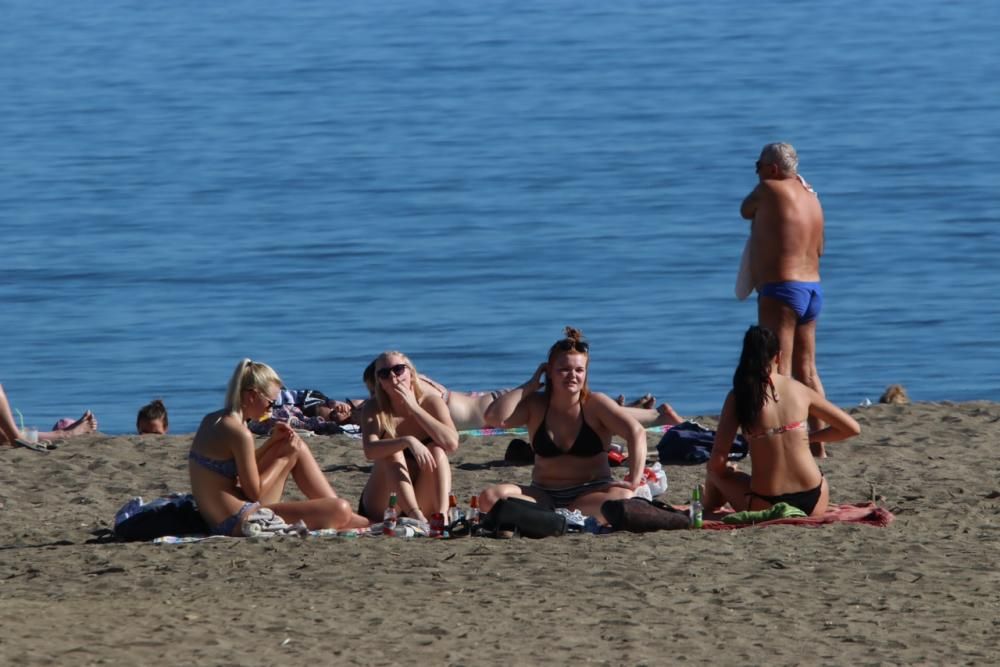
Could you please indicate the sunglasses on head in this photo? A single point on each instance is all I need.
(397, 370)
(567, 344)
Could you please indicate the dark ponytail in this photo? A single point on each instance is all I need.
(752, 377)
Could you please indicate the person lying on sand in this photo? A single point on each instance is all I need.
(309, 410)
(230, 478)
(570, 431)
(408, 434)
(772, 411)
(152, 419)
(12, 436)
(468, 408)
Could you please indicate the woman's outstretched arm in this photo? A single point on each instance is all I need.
(511, 409)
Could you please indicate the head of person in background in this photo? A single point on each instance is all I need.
(152, 418)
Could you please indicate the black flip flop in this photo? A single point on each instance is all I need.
(39, 446)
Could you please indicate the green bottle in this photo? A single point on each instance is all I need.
(696, 511)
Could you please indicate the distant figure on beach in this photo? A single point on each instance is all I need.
(152, 418)
(772, 411)
(786, 243)
(570, 430)
(230, 478)
(408, 434)
(12, 436)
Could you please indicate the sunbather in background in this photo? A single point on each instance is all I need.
(11, 435)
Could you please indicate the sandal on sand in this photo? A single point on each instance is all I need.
(40, 446)
(638, 515)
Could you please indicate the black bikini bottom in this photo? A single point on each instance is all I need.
(804, 500)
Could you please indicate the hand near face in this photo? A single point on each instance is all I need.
(536, 379)
(404, 391)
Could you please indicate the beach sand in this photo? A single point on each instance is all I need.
(925, 590)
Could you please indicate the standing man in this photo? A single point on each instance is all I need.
(786, 242)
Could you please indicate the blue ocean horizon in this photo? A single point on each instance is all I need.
(186, 185)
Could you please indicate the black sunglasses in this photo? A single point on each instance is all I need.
(569, 344)
(270, 403)
(397, 370)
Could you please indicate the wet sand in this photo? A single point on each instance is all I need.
(922, 591)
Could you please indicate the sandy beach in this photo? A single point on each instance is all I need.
(922, 591)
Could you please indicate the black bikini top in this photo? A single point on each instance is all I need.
(587, 442)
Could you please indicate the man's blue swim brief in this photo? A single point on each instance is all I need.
(806, 299)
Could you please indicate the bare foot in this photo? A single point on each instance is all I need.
(647, 401)
(667, 416)
(85, 424)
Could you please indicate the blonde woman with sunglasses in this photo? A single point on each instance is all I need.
(231, 478)
(408, 434)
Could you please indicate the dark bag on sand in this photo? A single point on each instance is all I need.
(638, 515)
(690, 442)
(524, 518)
(175, 514)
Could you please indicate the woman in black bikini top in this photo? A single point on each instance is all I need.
(772, 411)
(571, 429)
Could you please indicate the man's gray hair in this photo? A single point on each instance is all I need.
(782, 155)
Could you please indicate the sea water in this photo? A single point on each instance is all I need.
(183, 185)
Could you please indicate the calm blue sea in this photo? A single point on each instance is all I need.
(183, 184)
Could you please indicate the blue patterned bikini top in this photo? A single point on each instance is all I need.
(225, 468)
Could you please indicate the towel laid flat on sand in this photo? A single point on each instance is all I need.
(865, 513)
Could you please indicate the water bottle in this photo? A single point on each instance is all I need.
(390, 517)
(454, 513)
(474, 511)
(696, 511)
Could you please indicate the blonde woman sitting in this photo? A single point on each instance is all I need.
(230, 478)
(408, 434)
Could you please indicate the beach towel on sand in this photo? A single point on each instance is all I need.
(868, 514)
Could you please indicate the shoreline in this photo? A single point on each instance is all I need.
(922, 590)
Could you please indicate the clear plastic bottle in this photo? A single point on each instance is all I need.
(390, 518)
(454, 513)
(696, 511)
(474, 511)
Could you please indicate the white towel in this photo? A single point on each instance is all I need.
(744, 279)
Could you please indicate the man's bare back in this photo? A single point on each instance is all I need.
(786, 239)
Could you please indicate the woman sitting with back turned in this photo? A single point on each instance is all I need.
(570, 429)
(772, 410)
(230, 479)
(407, 434)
